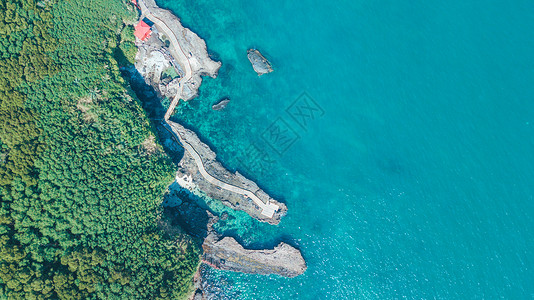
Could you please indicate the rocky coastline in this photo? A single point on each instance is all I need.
(154, 59)
(189, 177)
(172, 62)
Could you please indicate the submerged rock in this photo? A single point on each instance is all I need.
(221, 104)
(260, 64)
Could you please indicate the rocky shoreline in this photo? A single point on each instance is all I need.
(173, 67)
(189, 177)
(153, 61)
(225, 253)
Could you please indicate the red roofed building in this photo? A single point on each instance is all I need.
(142, 30)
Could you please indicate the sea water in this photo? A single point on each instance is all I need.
(400, 134)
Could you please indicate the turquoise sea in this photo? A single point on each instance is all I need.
(409, 169)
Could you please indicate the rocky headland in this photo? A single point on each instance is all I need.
(226, 253)
(190, 177)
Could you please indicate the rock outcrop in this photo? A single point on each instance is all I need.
(221, 104)
(228, 254)
(260, 64)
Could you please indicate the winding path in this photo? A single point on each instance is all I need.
(267, 209)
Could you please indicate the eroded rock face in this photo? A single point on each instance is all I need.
(260, 64)
(228, 254)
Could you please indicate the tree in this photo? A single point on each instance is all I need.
(79, 196)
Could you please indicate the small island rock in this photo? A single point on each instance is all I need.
(260, 64)
(221, 104)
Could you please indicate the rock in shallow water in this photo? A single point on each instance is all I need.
(260, 64)
(221, 104)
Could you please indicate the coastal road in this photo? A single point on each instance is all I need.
(267, 209)
(176, 51)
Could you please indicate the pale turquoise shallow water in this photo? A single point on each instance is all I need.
(417, 180)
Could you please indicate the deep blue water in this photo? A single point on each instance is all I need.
(413, 177)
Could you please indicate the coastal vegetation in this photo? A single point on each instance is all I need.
(81, 173)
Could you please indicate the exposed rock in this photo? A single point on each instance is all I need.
(228, 254)
(221, 104)
(260, 64)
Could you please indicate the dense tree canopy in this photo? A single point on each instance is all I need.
(81, 176)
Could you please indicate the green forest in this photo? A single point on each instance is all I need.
(81, 173)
